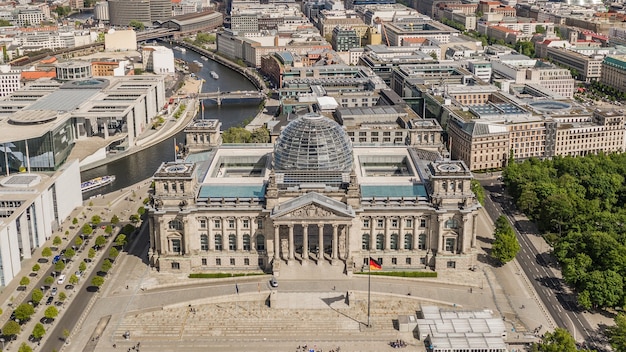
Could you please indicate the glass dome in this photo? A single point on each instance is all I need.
(313, 143)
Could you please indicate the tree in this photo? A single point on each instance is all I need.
(11, 329)
(137, 25)
(617, 333)
(24, 311)
(36, 268)
(141, 210)
(78, 241)
(51, 312)
(46, 252)
(82, 266)
(120, 240)
(505, 246)
(66, 334)
(113, 252)
(57, 241)
(74, 221)
(97, 281)
(236, 135)
(24, 347)
(101, 241)
(108, 230)
(38, 331)
(478, 190)
(260, 135)
(540, 29)
(73, 279)
(558, 341)
(49, 280)
(134, 218)
(24, 281)
(96, 220)
(86, 230)
(62, 296)
(59, 266)
(5, 23)
(115, 220)
(36, 296)
(434, 55)
(69, 253)
(92, 253)
(106, 265)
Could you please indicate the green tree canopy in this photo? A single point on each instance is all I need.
(39, 331)
(11, 329)
(57, 241)
(120, 240)
(46, 252)
(108, 229)
(115, 220)
(62, 296)
(134, 218)
(86, 230)
(59, 266)
(96, 220)
(141, 210)
(24, 281)
(113, 252)
(478, 190)
(36, 268)
(617, 333)
(24, 347)
(91, 254)
(106, 265)
(74, 221)
(49, 280)
(24, 311)
(69, 253)
(137, 25)
(5, 23)
(97, 281)
(51, 312)
(78, 241)
(82, 266)
(101, 241)
(36, 296)
(559, 340)
(73, 279)
(505, 245)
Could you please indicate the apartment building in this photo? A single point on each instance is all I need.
(344, 39)
(397, 32)
(614, 72)
(9, 80)
(329, 19)
(588, 67)
(522, 69)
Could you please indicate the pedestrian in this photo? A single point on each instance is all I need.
(237, 288)
(114, 346)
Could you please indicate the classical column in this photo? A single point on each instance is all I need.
(373, 233)
(473, 243)
(186, 235)
(210, 234)
(440, 247)
(238, 234)
(320, 235)
(387, 234)
(276, 244)
(305, 242)
(415, 233)
(291, 243)
(465, 232)
(401, 237)
(347, 242)
(335, 242)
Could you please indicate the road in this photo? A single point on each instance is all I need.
(537, 264)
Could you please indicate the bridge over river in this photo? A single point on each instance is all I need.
(227, 97)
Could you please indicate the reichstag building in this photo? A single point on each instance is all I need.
(311, 198)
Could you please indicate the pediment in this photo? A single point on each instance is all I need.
(312, 206)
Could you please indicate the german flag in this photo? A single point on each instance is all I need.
(374, 265)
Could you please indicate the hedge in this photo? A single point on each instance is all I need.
(220, 275)
(401, 273)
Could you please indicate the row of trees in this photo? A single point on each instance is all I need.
(579, 205)
(505, 246)
(242, 135)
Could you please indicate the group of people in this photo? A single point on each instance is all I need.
(305, 348)
(398, 344)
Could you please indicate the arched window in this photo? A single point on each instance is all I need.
(204, 242)
(422, 242)
(175, 225)
(176, 245)
(408, 241)
(380, 241)
(451, 224)
(218, 242)
(365, 241)
(452, 186)
(260, 243)
(444, 185)
(246, 242)
(232, 243)
(394, 241)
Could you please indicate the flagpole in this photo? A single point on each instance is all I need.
(369, 288)
(175, 154)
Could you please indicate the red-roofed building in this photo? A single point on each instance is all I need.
(29, 76)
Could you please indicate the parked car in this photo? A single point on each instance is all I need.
(273, 282)
(49, 300)
(53, 291)
(61, 280)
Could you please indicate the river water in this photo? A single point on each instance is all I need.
(142, 165)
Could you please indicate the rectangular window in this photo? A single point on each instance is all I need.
(409, 223)
(423, 260)
(366, 223)
(394, 261)
(246, 261)
(259, 223)
(451, 264)
(261, 263)
(175, 265)
(232, 261)
(218, 261)
(380, 223)
(202, 224)
(204, 261)
(231, 224)
(217, 224)
(246, 224)
(380, 261)
(408, 261)
(423, 223)
(394, 223)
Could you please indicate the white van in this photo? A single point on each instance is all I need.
(61, 280)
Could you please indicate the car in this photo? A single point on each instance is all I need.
(53, 291)
(78, 273)
(69, 287)
(61, 280)
(56, 259)
(49, 300)
(273, 282)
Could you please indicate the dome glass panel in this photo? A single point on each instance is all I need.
(313, 143)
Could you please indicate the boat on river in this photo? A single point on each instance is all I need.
(215, 75)
(96, 183)
(204, 58)
(198, 63)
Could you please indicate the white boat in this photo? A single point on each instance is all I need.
(215, 75)
(96, 183)
(198, 63)
(204, 58)
(183, 50)
(178, 48)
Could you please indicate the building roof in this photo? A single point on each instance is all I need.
(32, 75)
(393, 191)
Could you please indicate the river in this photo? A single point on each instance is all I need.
(142, 165)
